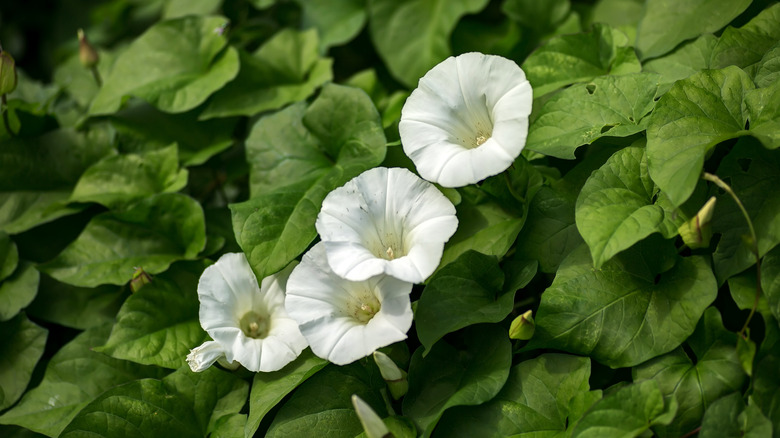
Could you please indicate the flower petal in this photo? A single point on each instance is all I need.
(467, 119)
(368, 226)
(204, 356)
(323, 305)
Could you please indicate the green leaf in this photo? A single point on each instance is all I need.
(742, 288)
(618, 318)
(322, 404)
(613, 106)
(543, 17)
(568, 59)
(550, 232)
(766, 383)
(180, 8)
(753, 173)
(271, 78)
(665, 25)
(619, 206)
(770, 281)
(728, 416)
(486, 224)
(37, 174)
(746, 45)
(21, 346)
(158, 325)
(627, 412)
(695, 115)
(142, 128)
(296, 157)
(18, 290)
(763, 108)
(467, 291)
(768, 69)
(268, 389)
(175, 65)
(9, 256)
(698, 375)
(64, 390)
(539, 400)
(687, 60)
(469, 374)
(184, 404)
(337, 22)
(151, 234)
(412, 36)
(212, 394)
(77, 307)
(118, 180)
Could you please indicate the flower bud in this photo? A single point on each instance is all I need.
(87, 54)
(139, 280)
(523, 327)
(394, 376)
(372, 424)
(7, 72)
(697, 232)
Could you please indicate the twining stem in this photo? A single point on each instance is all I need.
(754, 247)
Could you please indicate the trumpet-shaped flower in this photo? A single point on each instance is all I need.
(386, 221)
(344, 320)
(467, 119)
(248, 323)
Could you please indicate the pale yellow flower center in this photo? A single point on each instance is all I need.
(364, 306)
(254, 325)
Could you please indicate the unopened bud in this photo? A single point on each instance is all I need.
(697, 232)
(87, 54)
(372, 424)
(393, 376)
(523, 327)
(7, 72)
(139, 280)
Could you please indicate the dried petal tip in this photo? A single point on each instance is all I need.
(372, 424)
(7, 72)
(523, 327)
(87, 54)
(697, 232)
(393, 376)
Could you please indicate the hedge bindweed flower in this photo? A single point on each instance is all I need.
(344, 320)
(467, 119)
(248, 323)
(386, 221)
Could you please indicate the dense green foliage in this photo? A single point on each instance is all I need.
(217, 126)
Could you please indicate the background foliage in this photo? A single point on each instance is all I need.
(220, 125)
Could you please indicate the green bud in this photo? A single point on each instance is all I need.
(372, 424)
(697, 232)
(87, 54)
(394, 376)
(523, 327)
(139, 280)
(7, 72)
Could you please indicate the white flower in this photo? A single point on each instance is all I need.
(248, 323)
(467, 119)
(386, 221)
(344, 320)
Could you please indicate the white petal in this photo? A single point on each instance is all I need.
(371, 224)
(319, 301)
(227, 291)
(204, 356)
(457, 102)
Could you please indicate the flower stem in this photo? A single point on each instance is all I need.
(96, 75)
(754, 240)
(4, 109)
